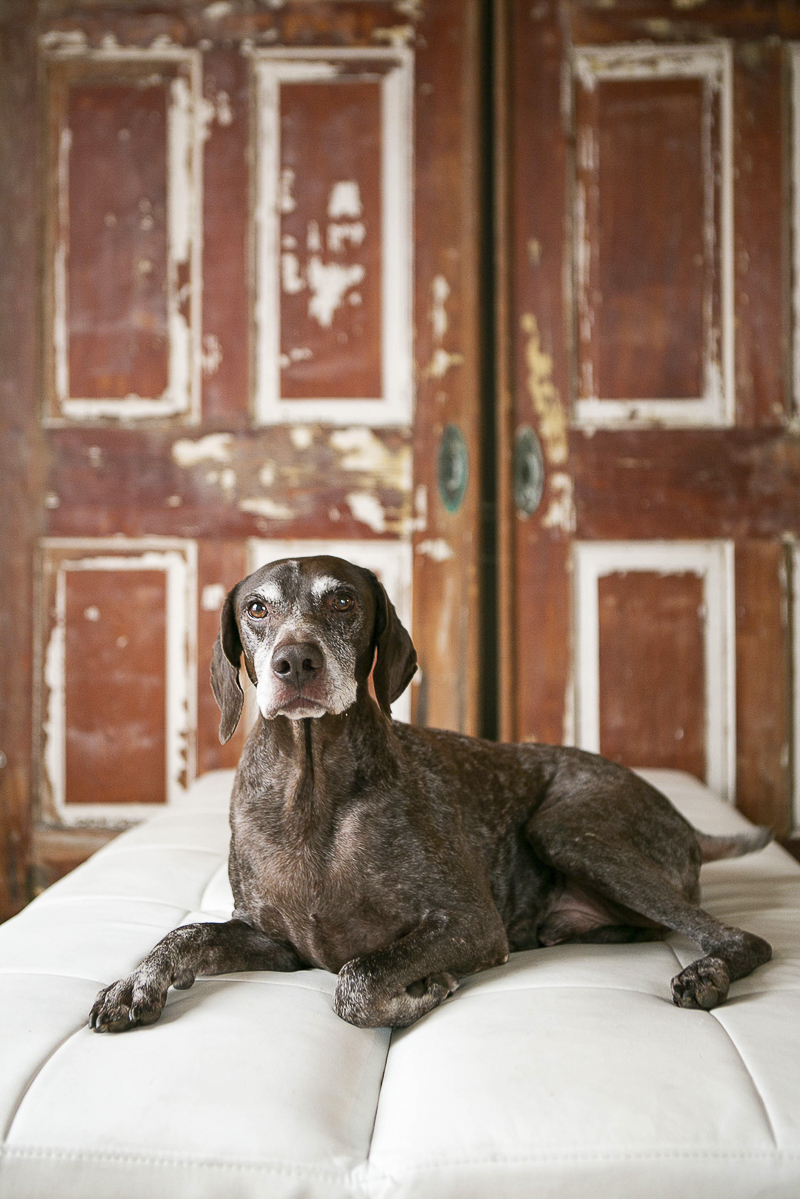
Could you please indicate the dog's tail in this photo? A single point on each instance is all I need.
(715, 848)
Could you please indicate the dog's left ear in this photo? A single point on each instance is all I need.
(225, 659)
(396, 663)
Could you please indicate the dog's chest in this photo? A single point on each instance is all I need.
(325, 895)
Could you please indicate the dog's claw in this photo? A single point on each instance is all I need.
(126, 1004)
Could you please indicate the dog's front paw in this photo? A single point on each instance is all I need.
(126, 1004)
(703, 984)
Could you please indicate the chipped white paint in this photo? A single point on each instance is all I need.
(345, 200)
(266, 476)
(301, 437)
(342, 234)
(214, 447)
(440, 293)
(560, 512)
(328, 283)
(363, 452)
(441, 362)
(713, 562)
(212, 355)
(712, 64)
(291, 280)
(184, 219)
(92, 614)
(437, 549)
(391, 561)
(261, 505)
(398, 36)
(177, 559)
(218, 10)
(367, 508)
(334, 284)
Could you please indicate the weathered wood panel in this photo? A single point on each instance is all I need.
(114, 154)
(307, 482)
(115, 687)
(763, 684)
(330, 232)
(535, 561)
(20, 442)
(226, 264)
(652, 670)
(704, 483)
(447, 351)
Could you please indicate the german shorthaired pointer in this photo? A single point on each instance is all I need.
(403, 858)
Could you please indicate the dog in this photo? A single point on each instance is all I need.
(403, 858)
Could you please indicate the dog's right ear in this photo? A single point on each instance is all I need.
(225, 659)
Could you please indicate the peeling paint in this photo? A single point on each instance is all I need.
(345, 200)
(561, 510)
(212, 597)
(329, 281)
(211, 358)
(214, 447)
(368, 509)
(437, 549)
(217, 10)
(266, 476)
(394, 35)
(343, 233)
(552, 420)
(420, 521)
(301, 437)
(364, 452)
(440, 292)
(441, 362)
(262, 506)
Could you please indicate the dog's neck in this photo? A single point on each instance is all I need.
(320, 764)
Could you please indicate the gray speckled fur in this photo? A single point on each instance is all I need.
(403, 858)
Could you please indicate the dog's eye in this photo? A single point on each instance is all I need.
(342, 601)
(257, 609)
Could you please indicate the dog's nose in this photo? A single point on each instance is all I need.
(297, 663)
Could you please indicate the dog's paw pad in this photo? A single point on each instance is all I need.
(703, 984)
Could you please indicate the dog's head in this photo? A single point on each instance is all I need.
(309, 630)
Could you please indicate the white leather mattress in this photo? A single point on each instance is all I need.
(568, 1072)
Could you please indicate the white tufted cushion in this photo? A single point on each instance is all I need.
(567, 1072)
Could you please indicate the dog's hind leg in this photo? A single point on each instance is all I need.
(177, 960)
(623, 873)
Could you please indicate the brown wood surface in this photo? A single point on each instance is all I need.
(330, 133)
(229, 484)
(763, 684)
(116, 234)
(535, 604)
(220, 565)
(20, 442)
(115, 687)
(645, 198)
(762, 284)
(226, 248)
(686, 483)
(447, 593)
(652, 675)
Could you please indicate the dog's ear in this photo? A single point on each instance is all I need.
(396, 663)
(225, 659)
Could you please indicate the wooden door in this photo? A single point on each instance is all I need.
(256, 337)
(648, 173)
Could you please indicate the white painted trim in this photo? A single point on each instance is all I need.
(184, 245)
(712, 63)
(178, 560)
(392, 562)
(713, 562)
(395, 405)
